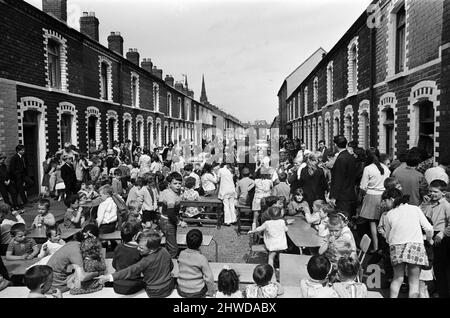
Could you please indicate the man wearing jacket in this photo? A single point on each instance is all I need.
(18, 173)
(343, 175)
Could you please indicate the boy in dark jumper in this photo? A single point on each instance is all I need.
(127, 254)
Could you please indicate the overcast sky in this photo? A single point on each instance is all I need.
(245, 48)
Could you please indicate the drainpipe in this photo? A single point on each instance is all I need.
(373, 108)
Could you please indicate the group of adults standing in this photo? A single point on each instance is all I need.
(15, 180)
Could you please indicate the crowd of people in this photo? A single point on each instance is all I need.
(343, 191)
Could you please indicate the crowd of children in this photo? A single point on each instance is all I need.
(142, 200)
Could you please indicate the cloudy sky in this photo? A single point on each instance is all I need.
(245, 48)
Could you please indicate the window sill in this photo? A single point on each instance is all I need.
(395, 77)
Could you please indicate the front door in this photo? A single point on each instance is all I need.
(31, 142)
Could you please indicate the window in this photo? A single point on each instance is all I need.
(169, 104)
(336, 126)
(66, 128)
(156, 97)
(353, 67)
(54, 63)
(92, 128)
(330, 74)
(111, 125)
(104, 81)
(389, 129)
(426, 126)
(316, 94)
(400, 40)
(180, 107)
(305, 96)
(348, 128)
(134, 89)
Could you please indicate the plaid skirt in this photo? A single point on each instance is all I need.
(410, 253)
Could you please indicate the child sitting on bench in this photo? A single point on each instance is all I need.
(127, 254)
(156, 265)
(44, 217)
(264, 287)
(319, 268)
(228, 284)
(195, 276)
(38, 279)
(54, 242)
(348, 287)
(21, 247)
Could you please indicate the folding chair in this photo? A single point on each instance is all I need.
(363, 248)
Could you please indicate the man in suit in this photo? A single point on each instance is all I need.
(68, 175)
(18, 173)
(343, 175)
(5, 184)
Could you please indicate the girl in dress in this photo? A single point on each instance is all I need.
(403, 231)
(274, 233)
(208, 180)
(263, 188)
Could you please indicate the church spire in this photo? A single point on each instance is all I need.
(203, 97)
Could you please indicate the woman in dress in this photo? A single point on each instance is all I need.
(312, 180)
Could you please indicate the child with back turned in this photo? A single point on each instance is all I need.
(274, 233)
(228, 284)
(38, 279)
(195, 276)
(319, 268)
(264, 287)
(347, 272)
(156, 266)
(127, 254)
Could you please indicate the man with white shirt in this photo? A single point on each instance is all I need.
(439, 172)
(303, 151)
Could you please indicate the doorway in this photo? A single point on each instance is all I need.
(31, 142)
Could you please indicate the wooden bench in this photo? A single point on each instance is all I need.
(181, 240)
(245, 271)
(206, 202)
(241, 209)
(294, 292)
(293, 269)
(106, 292)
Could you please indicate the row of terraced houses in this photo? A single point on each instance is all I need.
(384, 84)
(58, 84)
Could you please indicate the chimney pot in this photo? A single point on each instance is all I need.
(115, 42)
(56, 8)
(89, 25)
(147, 65)
(133, 56)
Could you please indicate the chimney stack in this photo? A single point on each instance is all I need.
(169, 80)
(115, 42)
(147, 65)
(157, 72)
(89, 25)
(133, 56)
(56, 8)
(179, 86)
